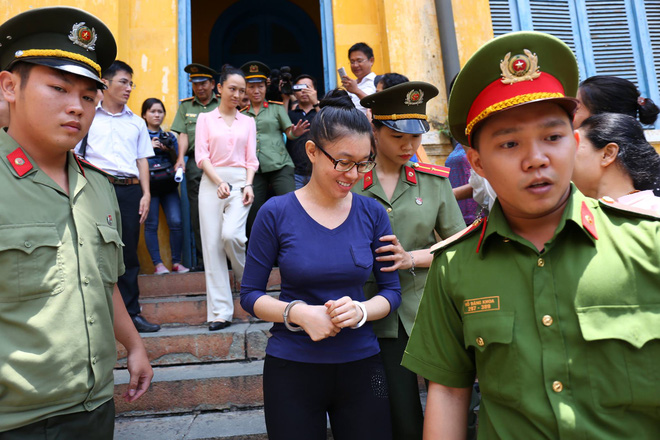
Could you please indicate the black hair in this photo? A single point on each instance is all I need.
(362, 47)
(146, 105)
(22, 69)
(637, 157)
(228, 70)
(116, 67)
(337, 118)
(303, 76)
(392, 79)
(610, 94)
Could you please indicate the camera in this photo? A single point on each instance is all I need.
(280, 83)
(166, 140)
(299, 87)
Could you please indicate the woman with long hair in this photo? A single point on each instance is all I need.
(225, 149)
(615, 160)
(323, 357)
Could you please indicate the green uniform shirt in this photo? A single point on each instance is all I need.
(185, 120)
(272, 121)
(60, 256)
(421, 204)
(565, 342)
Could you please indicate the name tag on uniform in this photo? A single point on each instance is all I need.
(191, 115)
(476, 305)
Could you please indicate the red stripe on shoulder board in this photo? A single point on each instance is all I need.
(433, 169)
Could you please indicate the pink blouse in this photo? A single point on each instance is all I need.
(226, 146)
(642, 199)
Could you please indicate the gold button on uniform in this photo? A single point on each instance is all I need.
(557, 386)
(547, 320)
(480, 341)
(540, 263)
(389, 210)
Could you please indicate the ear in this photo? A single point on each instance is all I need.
(106, 82)
(576, 135)
(9, 83)
(218, 88)
(310, 149)
(609, 154)
(475, 161)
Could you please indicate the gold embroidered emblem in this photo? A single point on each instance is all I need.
(485, 304)
(414, 97)
(520, 67)
(254, 68)
(83, 36)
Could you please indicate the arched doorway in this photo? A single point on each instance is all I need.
(276, 32)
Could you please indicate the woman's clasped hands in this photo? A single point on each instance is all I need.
(320, 322)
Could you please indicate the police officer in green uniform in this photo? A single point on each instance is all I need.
(552, 301)
(272, 119)
(419, 201)
(185, 122)
(60, 245)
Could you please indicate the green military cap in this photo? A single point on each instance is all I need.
(255, 71)
(511, 70)
(199, 72)
(60, 37)
(402, 107)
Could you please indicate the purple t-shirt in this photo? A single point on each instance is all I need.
(316, 265)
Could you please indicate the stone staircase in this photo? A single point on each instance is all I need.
(207, 385)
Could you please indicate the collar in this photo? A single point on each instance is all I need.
(214, 97)
(370, 77)
(578, 213)
(124, 110)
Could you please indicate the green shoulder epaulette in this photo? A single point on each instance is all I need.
(84, 163)
(186, 99)
(609, 203)
(477, 225)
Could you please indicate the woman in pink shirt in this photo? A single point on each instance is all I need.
(225, 149)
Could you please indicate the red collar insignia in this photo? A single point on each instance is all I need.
(410, 175)
(588, 221)
(19, 162)
(368, 180)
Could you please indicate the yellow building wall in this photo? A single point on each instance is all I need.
(146, 35)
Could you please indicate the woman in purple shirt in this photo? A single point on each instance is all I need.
(323, 357)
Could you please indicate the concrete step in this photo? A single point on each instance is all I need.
(196, 344)
(188, 309)
(188, 388)
(187, 283)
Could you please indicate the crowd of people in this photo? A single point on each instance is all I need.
(543, 285)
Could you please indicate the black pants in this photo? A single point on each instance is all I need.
(405, 405)
(298, 395)
(129, 197)
(193, 178)
(98, 425)
(282, 182)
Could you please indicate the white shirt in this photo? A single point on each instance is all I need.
(367, 86)
(116, 141)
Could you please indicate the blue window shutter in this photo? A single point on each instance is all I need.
(502, 15)
(650, 45)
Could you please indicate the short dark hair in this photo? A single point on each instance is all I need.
(337, 118)
(392, 79)
(636, 156)
(362, 47)
(116, 67)
(149, 102)
(611, 94)
(303, 76)
(22, 69)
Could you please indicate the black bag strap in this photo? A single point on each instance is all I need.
(83, 147)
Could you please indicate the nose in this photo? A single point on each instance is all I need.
(75, 106)
(535, 157)
(353, 173)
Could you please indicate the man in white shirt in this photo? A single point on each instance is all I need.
(118, 143)
(361, 57)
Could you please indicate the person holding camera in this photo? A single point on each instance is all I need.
(275, 164)
(226, 153)
(164, 189)
(304, 89)
(361, 58)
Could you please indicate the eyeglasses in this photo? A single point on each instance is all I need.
(125, 83)
(358, 61)
(344, 165)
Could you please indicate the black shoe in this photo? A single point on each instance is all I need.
(144, 326)
(198, 268)
(218, 325)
